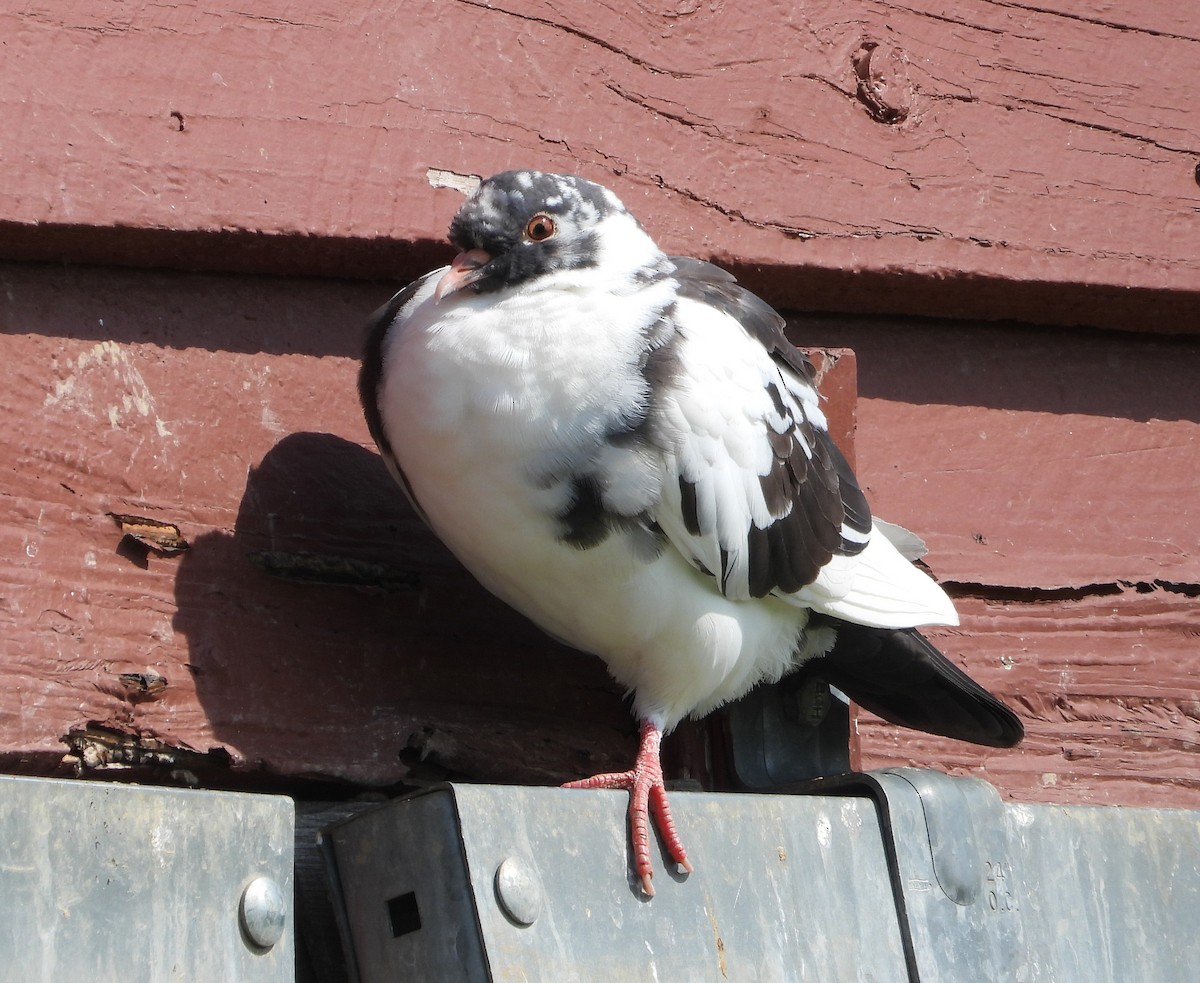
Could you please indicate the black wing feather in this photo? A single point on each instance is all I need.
(370, 374)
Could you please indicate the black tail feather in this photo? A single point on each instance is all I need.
(899, 675)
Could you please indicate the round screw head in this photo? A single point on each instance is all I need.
(263, 912)
(519, 890)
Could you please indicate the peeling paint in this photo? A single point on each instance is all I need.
(466, 183)
(90, 389)
(271, 421)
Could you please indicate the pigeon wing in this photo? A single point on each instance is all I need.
(370, 374)
(762, 500)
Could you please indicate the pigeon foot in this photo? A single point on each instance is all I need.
(647, 795)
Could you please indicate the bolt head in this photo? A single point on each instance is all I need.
(519, 890)
(263, 912)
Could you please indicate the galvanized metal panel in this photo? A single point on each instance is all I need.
(1103, 894)
(785, 888)
(901, 875)
(1037, 893)
(1085, 893)
(109, 882)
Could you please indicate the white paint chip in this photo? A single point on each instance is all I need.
(466, 183)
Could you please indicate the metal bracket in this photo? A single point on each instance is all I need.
(993, 891)
(795, 730)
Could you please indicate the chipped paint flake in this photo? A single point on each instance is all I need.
(466, 183)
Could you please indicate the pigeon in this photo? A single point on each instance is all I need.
(624, 446)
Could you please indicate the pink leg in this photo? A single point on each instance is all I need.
(647, 795)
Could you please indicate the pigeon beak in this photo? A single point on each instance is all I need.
(466, 269)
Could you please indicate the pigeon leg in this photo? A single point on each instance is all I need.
(647, 795)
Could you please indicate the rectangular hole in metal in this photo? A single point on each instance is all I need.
(404, 914)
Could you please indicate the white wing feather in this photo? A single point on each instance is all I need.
(720, 414)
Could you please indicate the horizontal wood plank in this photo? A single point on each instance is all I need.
(315, 629)
(1053, 476)
(1032, 459)
(1106, 686)
(983, 159)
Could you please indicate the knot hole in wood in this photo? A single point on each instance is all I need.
(883, 83)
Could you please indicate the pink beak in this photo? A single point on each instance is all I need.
(465, 270)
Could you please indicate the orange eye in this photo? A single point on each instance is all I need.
(540, 228)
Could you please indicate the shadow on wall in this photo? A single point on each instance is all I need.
(332, 635)
(279, 667)
(1017, 367)
(278, 316)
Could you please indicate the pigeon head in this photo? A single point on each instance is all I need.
(520, 228)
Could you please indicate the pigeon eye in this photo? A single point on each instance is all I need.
(540, 228)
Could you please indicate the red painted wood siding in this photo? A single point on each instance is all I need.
(987, 161)
(981, 146)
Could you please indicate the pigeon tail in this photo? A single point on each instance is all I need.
(900, 676)
(886, 590)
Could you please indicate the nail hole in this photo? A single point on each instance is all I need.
(177, 119)
(404, 914)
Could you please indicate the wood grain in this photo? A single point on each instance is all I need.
(1053, 475)
(986, 158)
(225, 405)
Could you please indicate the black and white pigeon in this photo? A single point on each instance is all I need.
(624, 446)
